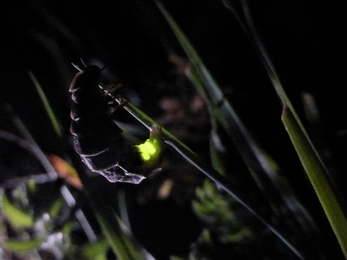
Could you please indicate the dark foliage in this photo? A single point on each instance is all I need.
(304, 38)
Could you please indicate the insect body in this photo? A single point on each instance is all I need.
(99, 141)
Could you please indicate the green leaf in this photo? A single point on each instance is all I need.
(96, 250)
(22, 245)
(56, 207)
(17, 217)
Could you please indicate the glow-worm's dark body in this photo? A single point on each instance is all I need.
(97, 139)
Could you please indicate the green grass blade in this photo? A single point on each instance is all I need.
(119, 237)
(47, 106)
(257, 161)
(118, 241)
(121, 241)
(327, 193)
(34, 147)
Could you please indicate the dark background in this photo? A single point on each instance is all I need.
(305, 39)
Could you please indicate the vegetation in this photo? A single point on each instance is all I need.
(253, 165)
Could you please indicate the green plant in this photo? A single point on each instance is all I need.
(244, 199)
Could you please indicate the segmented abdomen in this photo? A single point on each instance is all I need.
(97, 139)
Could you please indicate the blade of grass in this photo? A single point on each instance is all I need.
(257, 161)
(34, 147)
(47, 106)
(324, 187)
(123, 244)
(329, 196)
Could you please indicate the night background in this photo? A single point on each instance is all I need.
(133, 41)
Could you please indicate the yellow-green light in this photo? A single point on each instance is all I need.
(147, 149)
(152, 149)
